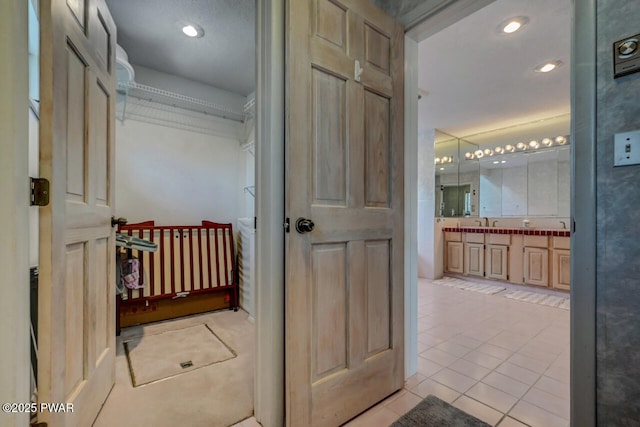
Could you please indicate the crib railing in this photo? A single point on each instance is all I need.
(189, 260)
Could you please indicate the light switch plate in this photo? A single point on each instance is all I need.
(626, 148)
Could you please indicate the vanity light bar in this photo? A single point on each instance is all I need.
(444, 159)
(519, 147)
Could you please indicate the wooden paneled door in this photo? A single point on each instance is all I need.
(344, 171)
(455, 257)
(536, 266)
(474, 259)
(497, 262)
(77, 244)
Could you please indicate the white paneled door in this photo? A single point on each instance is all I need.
(344, 197)
(77, 247)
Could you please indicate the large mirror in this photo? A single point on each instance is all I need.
(457, 181)
(511, 172)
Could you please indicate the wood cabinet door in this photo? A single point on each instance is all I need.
(455, 257)
(344, 313)
(76, 297)
(497, 262)
(474, 259)
(536, 266)
(562, 269)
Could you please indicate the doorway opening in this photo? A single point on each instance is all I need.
(493, 325)
(185, 146)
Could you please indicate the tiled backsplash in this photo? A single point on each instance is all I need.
(523, 231)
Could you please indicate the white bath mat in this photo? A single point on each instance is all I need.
(538, 298)
(465, 285)
(167, 354)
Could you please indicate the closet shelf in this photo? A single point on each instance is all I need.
(161, 96)
(250, 108)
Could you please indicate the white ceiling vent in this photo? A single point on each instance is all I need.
(124, 71)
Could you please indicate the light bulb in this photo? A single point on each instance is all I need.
(193, 30)
(561, 140)
(521, 146)
(513, 24)
(547, 141)
(510, 148)
(512, 27)
(547, 67)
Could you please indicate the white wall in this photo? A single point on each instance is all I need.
(175, 176)
(426, 204)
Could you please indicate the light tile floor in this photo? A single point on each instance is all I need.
(503, 361)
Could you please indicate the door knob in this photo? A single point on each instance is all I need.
(118, 221)
(304, 225)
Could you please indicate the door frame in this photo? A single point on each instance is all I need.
(14, 211)
(429, 18)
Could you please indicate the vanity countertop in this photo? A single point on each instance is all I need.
(500, 230)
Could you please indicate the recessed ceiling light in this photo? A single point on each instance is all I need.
(193, 30)
(511, 25)
(548, 66)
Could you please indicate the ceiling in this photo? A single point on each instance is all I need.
(150, 31)
(474, 79)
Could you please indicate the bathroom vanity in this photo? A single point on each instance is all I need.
(538, 257)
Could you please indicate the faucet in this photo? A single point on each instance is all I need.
(494, 223)
(479, 222)
(486, 221)
(564, 225)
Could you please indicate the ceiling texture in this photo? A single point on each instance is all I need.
(150, 31)
(474, 79)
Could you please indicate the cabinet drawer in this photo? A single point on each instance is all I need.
(536, 241)
(562, 242)
(453, 236)
(499, 239)
(474, 237)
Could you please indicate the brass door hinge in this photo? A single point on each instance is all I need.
(39, 192)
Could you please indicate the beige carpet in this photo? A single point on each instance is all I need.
(155, 357)
(216, 395)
